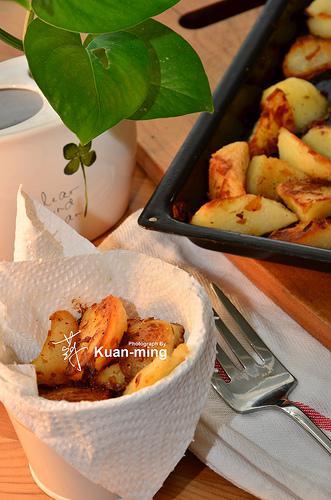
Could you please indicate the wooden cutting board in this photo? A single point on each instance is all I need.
(304, 294)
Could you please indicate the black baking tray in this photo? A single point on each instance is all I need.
(236, 100)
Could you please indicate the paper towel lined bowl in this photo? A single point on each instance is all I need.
(130, 444)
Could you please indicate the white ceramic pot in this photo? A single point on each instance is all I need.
(32, 137)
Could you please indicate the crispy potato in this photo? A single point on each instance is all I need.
(276, 113)
(227, 171)
(319, 22)
(145, 334)
(319, 7)
(319, 139)
(320, 25)
(308, 199)
(75, 394)
(316, 233)
(178, 331)
(248, 214)
(309, 56)
(264, 174)
(102, 325)
(51, 364)
(157, 370)
(299, 155)
(306, 102)
(111, 378)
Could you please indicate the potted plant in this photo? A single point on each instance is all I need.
(99, 66)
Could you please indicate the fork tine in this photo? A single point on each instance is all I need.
(225, 362)
(241, 354)
(222, 388)
(258, 345)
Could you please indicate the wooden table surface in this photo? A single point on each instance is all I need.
(191, 479)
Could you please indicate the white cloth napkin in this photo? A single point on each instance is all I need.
(265, 452)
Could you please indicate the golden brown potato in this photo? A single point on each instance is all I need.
(144, 340)
(309, 56)
(248, 214)
(178, 331)
(264, 174)
(102, 326)
(111, 378)
(315, 233)
(299, 155)
(276, 113)
(75, 394)
(320, 25)
(306, 102)
(227, 171)
(319, 139)
(51, 364)
(308, 199)
(319, 7)
(157, 370)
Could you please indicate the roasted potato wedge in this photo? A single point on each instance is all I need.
(157, 370)
(320, 25)
(319, 139)
(308, 199)
(308, 57)
(306, 102)
(276, 113)
(299, 155)
(248, 214)
(51, 365)
(102, 325)
(227, 171)
(319, 7)
(316, 233)
(111, 378)
(264, 174)
(178, 331)
(151, 334)
(97, 357)
(75, 394)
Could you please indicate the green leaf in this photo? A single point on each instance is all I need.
(179, 84)
(91, 89)
(70, 151)
(98, 16)
(72, 166)
(89, 158)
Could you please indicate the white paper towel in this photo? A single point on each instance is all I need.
(128, 445)
(40, 234)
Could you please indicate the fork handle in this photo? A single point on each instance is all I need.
(302, 419)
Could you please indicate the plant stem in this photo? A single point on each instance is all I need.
(11, 40)
(28, 18)
(85, 187)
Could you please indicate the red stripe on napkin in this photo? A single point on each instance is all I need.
(320, 420)
(222, 373)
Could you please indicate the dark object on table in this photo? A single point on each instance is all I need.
(237, 99)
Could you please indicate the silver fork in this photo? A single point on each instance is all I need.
(255, 386)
